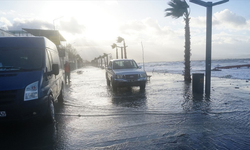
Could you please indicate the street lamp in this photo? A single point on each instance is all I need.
(209, 6)
(119, 40)
(121, 51)
(54, 22)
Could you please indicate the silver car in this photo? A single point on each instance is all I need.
(125, 73)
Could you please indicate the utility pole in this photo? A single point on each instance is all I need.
(209, 6)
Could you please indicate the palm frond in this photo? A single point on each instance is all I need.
(177, 8)
(119, 39)
(113, 46)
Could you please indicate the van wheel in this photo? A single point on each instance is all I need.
(61, 96)
(50, 116)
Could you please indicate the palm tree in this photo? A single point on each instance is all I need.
(180, 8)
(105, 56)
(115, 46)
(99, 61)
(119, 40)
(94, 62)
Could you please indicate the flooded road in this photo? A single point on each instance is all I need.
(164, 116)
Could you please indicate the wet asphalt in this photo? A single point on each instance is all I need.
(167, 115)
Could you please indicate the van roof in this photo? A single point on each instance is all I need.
(27, 42)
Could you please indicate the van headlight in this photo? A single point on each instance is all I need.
(31, 91)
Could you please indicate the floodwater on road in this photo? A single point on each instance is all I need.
(164, 116)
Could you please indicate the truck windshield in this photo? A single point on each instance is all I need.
(124, 64)
(15, 59)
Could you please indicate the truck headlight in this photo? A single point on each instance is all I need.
(142, 75)
(31, 91)
(119, 76)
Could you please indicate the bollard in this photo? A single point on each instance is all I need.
(198, 83)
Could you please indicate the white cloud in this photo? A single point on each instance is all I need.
(72, 26)
(18, 24)
(199, 22)
(227, 17)
(4, 23)
(149, 30)
(132, 26)
(222, 20)
(10, 12)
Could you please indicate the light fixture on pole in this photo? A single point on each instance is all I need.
(209, 6)
(54, 22)
(119, 40)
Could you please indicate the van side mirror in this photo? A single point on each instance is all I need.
(109, 68)
(55, 69)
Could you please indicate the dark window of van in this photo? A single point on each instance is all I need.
(12, 59)
(54, 56)
(48, 61)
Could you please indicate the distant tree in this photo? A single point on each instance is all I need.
(100, 60)
(72, 53)
(95, 61)
(105, 56)
(79, 60)
(177, 9)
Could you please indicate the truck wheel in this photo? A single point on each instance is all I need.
(108, 82)
(143, 86)
(114, 87)
(61, 96)
(50, 116)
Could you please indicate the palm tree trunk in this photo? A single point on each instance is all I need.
(187, 76)
(116, 53)
(101, 62)
(121, 52)
(107, 58)
(125, 51)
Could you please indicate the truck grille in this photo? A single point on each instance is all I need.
(7, 96)
(132, 76)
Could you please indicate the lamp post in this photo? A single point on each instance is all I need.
(121, 51)
(209, 6)
(54, 22)
(119, 40)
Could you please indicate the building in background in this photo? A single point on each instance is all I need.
(5, 33)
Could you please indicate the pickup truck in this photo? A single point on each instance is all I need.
(125, 73)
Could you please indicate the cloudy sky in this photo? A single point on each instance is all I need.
(92, 26)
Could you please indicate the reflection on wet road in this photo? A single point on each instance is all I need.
(164, 116)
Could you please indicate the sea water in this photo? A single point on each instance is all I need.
(198, 66)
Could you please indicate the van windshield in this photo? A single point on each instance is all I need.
(20, 59)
